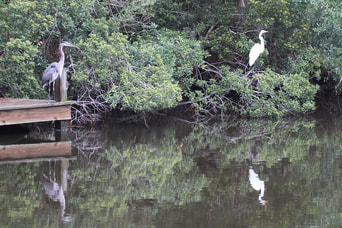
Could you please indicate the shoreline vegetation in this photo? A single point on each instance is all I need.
(139, 59)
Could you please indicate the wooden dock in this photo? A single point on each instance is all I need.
(21, 111)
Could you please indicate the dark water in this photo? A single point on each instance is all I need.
(247, 173)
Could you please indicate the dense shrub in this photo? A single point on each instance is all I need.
(143, 56)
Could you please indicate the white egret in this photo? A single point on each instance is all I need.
(257, 185)
(257, 49)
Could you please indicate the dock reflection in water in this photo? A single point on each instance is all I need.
(55, 155)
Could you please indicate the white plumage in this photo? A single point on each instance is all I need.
(257, 185)
(257, 49)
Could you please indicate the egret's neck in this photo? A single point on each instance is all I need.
(262, 191)
(261, 40)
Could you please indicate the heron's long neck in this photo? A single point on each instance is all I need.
(61, 60)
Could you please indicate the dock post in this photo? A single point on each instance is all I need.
(61, 93)
(61, 87)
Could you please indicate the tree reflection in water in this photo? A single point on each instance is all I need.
(128, 176)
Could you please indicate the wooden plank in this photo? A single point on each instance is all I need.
(21, 111)
(21, 116)
(35, 150)
(12, 104)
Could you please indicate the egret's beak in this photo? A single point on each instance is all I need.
(266, 31)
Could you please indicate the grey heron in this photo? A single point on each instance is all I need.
(55, 69)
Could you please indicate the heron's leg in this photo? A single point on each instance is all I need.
(49, 85)
(53, 89)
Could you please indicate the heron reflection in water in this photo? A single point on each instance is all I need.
(55, 192)
(257, 185)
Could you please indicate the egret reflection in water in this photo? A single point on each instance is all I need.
(257, 185)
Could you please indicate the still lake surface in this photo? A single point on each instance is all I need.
(239, 173)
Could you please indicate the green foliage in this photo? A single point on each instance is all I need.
(285, 87)
(25, 20)
(148, 55)
(270, 94)
(138, 76)
(230, 47)
(139, 72)
(194, 17)
(288, 26)
(325, 17)
(21, 23)
(100, 65)
(17, 76)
